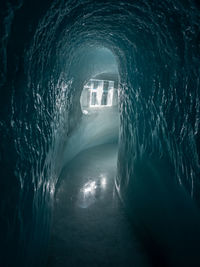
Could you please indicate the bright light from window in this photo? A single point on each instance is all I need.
(101, 92)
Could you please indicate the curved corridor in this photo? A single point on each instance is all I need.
(90, 227)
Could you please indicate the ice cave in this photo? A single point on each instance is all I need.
(100, 133)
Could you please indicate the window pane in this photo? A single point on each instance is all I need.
(106, 85)
(95, 84)
(94, 98)
(104, 98)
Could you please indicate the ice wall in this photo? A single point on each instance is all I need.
(100, 126)
(48, 50)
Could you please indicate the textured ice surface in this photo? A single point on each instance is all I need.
(99, 126)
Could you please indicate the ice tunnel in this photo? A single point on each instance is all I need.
(49, 51)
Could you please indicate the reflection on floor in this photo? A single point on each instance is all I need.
(89, 225)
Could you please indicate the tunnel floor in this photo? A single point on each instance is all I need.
(90, 227)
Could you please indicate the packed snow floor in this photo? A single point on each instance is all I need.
(90, 227)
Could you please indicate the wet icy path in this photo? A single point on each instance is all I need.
(89, 225)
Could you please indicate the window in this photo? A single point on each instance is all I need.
(101, 93)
